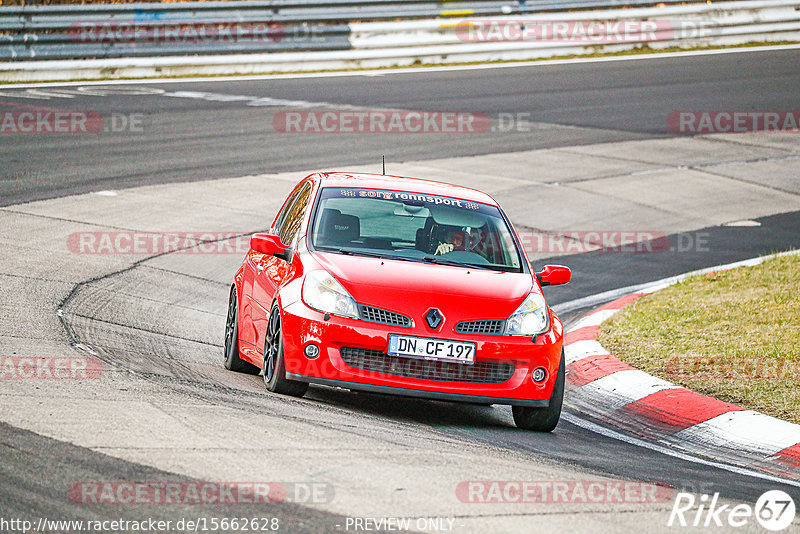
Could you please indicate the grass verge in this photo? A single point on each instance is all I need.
(733, 335)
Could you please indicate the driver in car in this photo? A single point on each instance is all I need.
(454, 242)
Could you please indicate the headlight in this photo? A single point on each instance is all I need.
(530, 319)
(322, 292)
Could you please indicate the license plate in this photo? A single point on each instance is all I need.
(431, 349)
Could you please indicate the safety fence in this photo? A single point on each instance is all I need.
(144, 39)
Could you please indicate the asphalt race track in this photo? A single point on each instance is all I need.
(207, 157)
(191, 137)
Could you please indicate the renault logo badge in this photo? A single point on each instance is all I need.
(434, 318)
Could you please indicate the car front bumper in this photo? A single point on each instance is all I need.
(302, 325)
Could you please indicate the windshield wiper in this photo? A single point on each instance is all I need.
(442, 261)
(358, 252)
(350, 252)
(494, 267)
(427, 259)
(486, 266)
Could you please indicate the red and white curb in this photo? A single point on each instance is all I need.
(609, 390)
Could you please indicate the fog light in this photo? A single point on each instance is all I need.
(312, 351)
(539, 374)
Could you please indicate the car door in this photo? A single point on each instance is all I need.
(257, 297)
(270, 271)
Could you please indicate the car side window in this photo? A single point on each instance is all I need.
(280, 220)
(294, 215)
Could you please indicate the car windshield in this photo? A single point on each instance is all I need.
(415, 227)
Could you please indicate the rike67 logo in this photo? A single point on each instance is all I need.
(774, 510)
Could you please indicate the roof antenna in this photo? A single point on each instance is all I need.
(383, 160)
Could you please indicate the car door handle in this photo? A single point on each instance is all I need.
(260, 266)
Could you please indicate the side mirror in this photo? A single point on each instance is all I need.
(268, 244)
(554, 275)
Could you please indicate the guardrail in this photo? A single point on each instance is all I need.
(570, 33)
(159, 29)
(174, 39)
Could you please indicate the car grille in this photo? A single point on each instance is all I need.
(377, 315)
(489, 327)
(380, 362)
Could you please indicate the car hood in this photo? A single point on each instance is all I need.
(412, 287)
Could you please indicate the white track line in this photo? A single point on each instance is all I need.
(603, 431)
(412, 70)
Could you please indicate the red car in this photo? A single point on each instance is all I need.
(399, 286)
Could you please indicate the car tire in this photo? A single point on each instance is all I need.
(233, 362)
(274, 370)
(543, 419)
